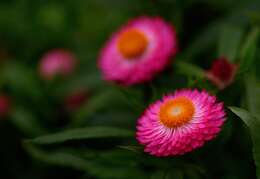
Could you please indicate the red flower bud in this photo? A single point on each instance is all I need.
(5, 105)
(76, 99)
(57, 62)
(222, 72)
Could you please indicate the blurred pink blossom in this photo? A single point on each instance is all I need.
(57, 62)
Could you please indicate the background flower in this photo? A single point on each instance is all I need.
(76, 99)
(5, 105)
(58, 62)
(222, 72)
(138, 51)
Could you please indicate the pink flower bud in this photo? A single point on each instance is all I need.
(222, 72)
(57, 62)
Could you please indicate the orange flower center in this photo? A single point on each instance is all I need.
(132, 43)
(177, 112)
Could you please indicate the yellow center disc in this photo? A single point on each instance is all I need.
(176, 112)
(132, 43)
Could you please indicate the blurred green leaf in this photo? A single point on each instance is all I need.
(133, 98)
(254, 126)
(137, 149)
(191, 173)
(26, 121)
(22, 80)
(93, 104)
(253, 94)
(117, 164)
(60, 158)
(204, 40)
(229, 42)
(248, 50)
(175, 173)
(190, 69)
(83, 133)
(52, 16)
(103, 164)
(87, 80)
(158, 175)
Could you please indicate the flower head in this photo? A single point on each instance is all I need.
(138, 51)
(180, 122)
(5, 105)
(57, 62)
(222, 72)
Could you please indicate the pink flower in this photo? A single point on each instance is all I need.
(57, 62)
(180, 122)
(76, 99)
(5, 105)
(138, 51)
(222, 72)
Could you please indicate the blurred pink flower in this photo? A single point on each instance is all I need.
(180, 122)
(222, 72)
(138, 51)
(57, 62)
(5, 105)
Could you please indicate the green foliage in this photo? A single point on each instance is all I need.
(248, 50)
(82, 133)
(26, 121)
(43, 138)
(254, 126)
(229, 41)
(190, 69)
(252, 93)
(61, 158)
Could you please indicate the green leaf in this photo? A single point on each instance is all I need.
(113, 167)
(26, 121)
(229, 42)
(61, 158)
(86, 79)
(22, 80)
(203, 40)
(189, 69)
(52, 16)
(137, 149)
(254, 127)
(94, 104)
(109, 162)
(191, 173)
(158, 175)
(83, 133)
(253, 94)
(175, 173)
(248, 50)
(133, 98)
